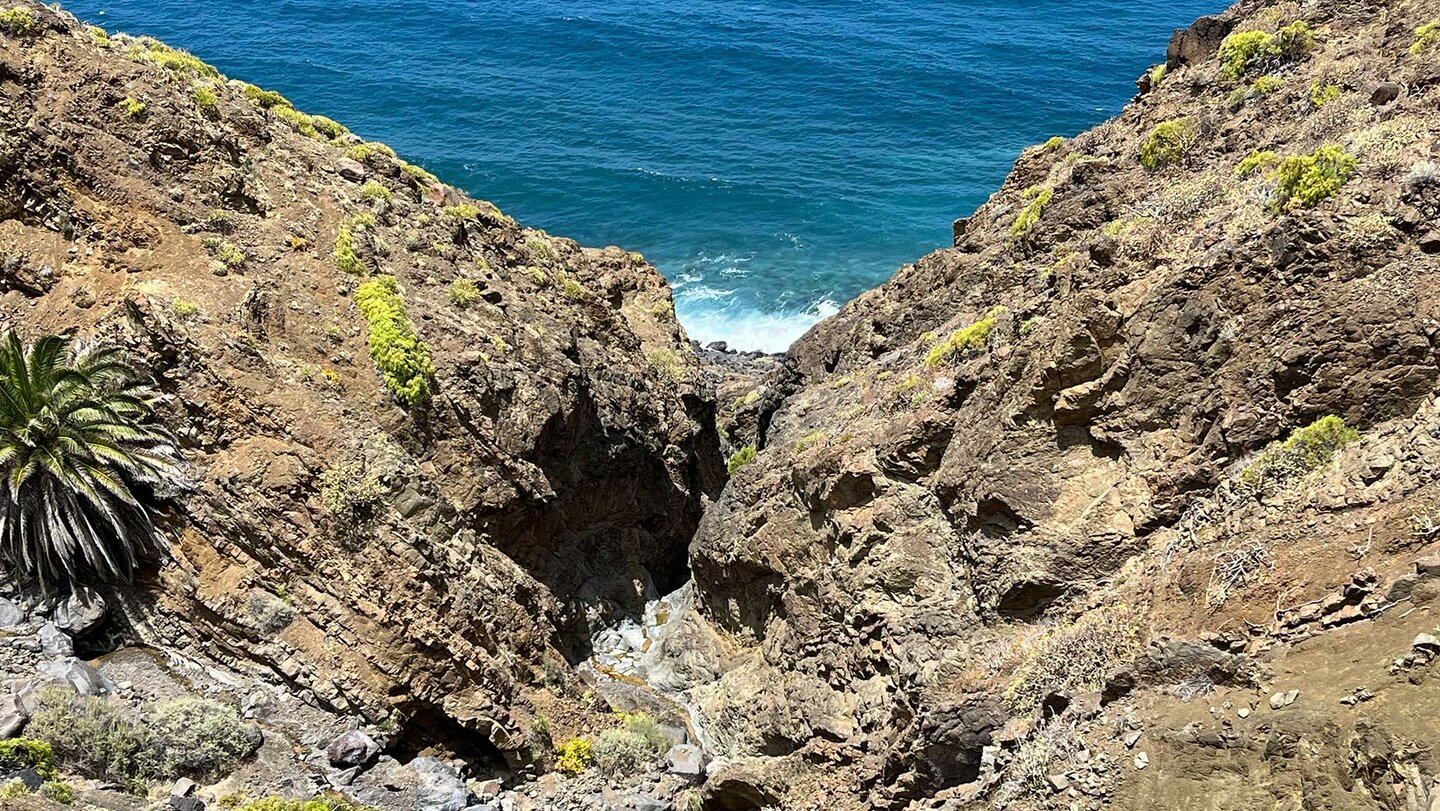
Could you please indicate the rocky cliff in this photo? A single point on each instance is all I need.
(969, 467)
(1128, 499)
(415, 562)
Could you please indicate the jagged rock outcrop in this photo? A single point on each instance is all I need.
(994, 440)
(407, 564)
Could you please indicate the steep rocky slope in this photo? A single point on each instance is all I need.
(1055, 417)
(414, 562)
(1129, 499)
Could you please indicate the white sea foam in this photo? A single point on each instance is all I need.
(750, 329)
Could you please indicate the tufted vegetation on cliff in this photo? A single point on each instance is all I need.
(82, 458)
(1306, 449)
(1306, 180)
(1074, 657)
(1246, 54)
(18, 21)
(965, 342)
(188, 736)
(1036, 198)
(403, 359)
(1169, 143)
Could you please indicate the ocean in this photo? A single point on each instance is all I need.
(772, 159)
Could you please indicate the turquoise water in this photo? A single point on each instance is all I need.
(772, 159)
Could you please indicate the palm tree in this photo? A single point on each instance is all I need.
(80, 456)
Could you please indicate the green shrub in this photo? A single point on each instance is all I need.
(59, 793)
(1306, 449)
(17, 21)
(347, 257)
(265, 99)
(1169, 143)
(89, 736)
(1425, 37)
(403, 359)
(464, 212)
(964, 343)
(1054, 143)
(1256, 162)
(1251, 53)
(418, 173)
(14, 790)
(619, 752)
(228, 253)
(464, 292)
(1267, 85)
(352, 495)
(648, 731)
(740, 459)
(1307, 180)
(27, 753)
(1075, 657)
(79, 454)
(194, 737)
(573, 756)
(374, 190)
(185, 737)
(296, 120)
(1323, 94)
(1157, 75)
(172, 59)
(328, 127)
(329, 803)
(1037, 198)
(206, 99)
(809, 441)
(99, 36)
(667, 364)
(133, 107)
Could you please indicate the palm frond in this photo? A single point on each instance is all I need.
(81, 457)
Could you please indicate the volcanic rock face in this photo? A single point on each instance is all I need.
(555, 477)
(916, 503)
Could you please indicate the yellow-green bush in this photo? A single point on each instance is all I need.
(402, 358)
(296, 120)
(1054, 143)
(352, 495)
(1255, 163)
(1169, 143)
(376, 191)
(17, 21)
(1307, 180)
(464, 292)
(328, 803)
(573, 756)
(740, 459)
(809, 441)
(328, 127)
(1037, 198)
(1074, 657)
(172, 59)
(1250, 53)
(1306, 449)
(620, 752)
(346, 253)
(964, 343)
(206, 99)
(1323, 94)
(59, 793)
(1267, 85)
(265, 99)
(1426, 36)
(27, 753)
(133, 107)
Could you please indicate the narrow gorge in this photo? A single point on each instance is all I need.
(1129, 499)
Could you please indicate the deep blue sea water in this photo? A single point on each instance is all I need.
(773, 159)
